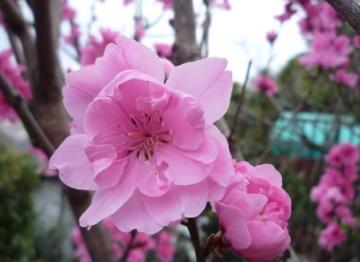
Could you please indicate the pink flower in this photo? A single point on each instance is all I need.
(331, 236)
(165, 250)
(12, 73)
(356, 41)
(328, 51)
(139, 31)
(67, 12)
(320, 17)
(163, 50)
(335, 193)
(346, 78)
(254, 212)
(74, 34)
(223, 4)
(288, 13)
(148, 149)
(266, 85)
(95, 48)
(167, 3)
(271, 36)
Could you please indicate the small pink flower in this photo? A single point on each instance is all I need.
(139, 31)
(163, 50)
(266, 85)
(288, 13)
(165, 250)
(356, 41)
(328, 51)
(346, 78)
(95, 48)
(332, 236)
(223, 4)
(67, 12)
(254, 212)
(12, 73)
(271, 36)
(149, 145)
(74, 34)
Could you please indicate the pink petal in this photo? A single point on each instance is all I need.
(164, 209)
(106, 202)
(139, 57)
(193, 198)
(133, 215)
(75, 168)
(208, 82)
(181, 170)
(269, 173)
(104, 116)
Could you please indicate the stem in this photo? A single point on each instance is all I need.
(349, 10)
(129, 247)
(195, 238)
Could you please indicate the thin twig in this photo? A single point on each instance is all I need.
(21, 107)
(240, 103)
(191, 225)
(129, 247)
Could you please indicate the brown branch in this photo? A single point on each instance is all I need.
(240, 103)
(18, 103)
(185, 47)
(191, 225)
(15, 22)
(349, 11)
(130, 246)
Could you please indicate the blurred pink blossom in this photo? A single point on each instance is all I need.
(163, 50)
(95, 48)
(331, 236)
(271, 36)
(266, 85)
(346, 78)
(328, 51)
(12, 73)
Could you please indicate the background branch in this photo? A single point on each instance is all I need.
(349, 11)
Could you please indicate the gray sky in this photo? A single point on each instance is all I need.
(238, 35)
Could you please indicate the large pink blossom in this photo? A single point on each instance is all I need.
(254, 212)
(12, 73)
(95, 48)
(148, 149)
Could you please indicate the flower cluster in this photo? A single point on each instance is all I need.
(266, 85)
(138, 245)
(335, 193)
(256, 208)
(12, 73)
(330, 48)
(68, 14)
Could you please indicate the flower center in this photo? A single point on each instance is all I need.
(147, 132)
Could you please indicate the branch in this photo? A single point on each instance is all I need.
(238, 108)
(349, 11)
(129, 247)
(195, 238)
(15, 22)
(185, 47)
(19, 104)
